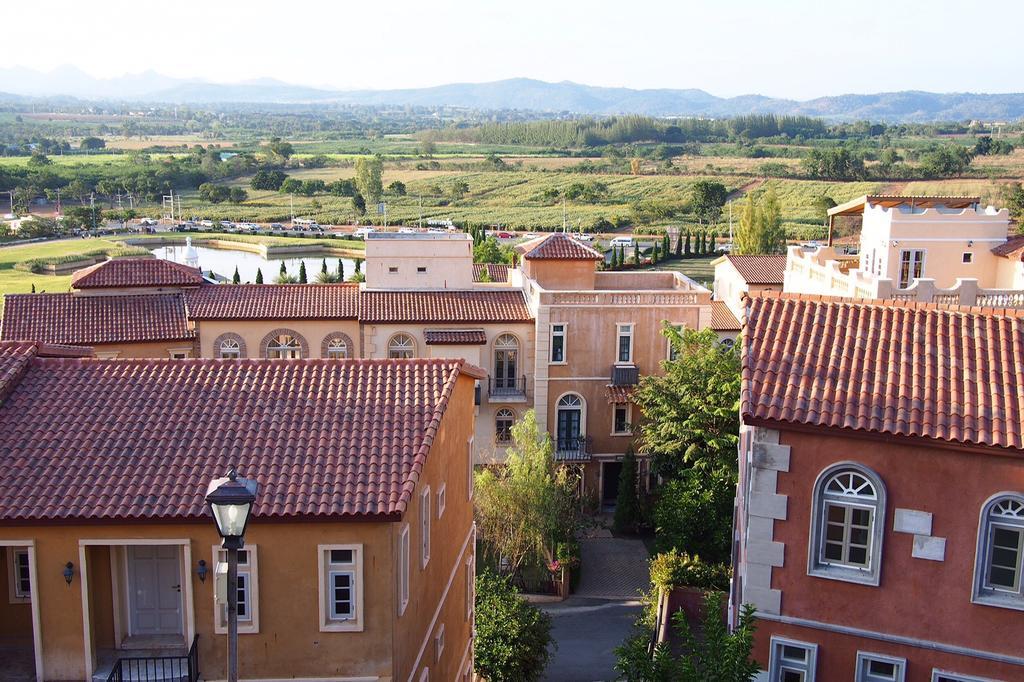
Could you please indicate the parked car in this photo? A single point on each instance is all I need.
(505, 235)
(276, 226)
(361, 232)
(725, 248)
(621, 241)
(146, 222)
(315, 229)
(406, 230)
(206, 223)
(584, 237)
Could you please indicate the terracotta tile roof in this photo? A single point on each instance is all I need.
(557, 246)
(454, 337)
(86, 320)
(722, 318)
(908, 369)
(136, 272)
(1011, 246)
(619, 394)
(117, 439)
(273, 302)
(761, 269)
(443, 306)
(497, 271)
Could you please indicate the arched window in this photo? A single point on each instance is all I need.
(569, 427)
(401, 346)
(284, 347)
(1001, 552)
(229, 348)
(849, 517)
(337, 349)
(503, 421)
(506, 363)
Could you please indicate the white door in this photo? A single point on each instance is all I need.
(154, 590)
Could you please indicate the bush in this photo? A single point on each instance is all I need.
(694, 514)
(679, 569)
(627, 504)
(512, 636)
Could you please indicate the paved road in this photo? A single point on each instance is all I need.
(587, 632)
(613, 568)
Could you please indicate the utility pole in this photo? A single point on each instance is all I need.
(730, 223)
(421, 210)
(291, 201)
(563, 213)
(58, 201)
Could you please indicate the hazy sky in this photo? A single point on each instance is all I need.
(784, 48)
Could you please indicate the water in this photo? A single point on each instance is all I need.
(223, 262)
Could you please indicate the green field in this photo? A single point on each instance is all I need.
(19, 282)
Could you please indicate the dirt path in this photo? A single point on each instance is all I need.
(745, 188)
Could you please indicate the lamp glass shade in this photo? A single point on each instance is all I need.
(231, 518)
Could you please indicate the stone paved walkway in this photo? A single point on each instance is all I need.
(612, 568)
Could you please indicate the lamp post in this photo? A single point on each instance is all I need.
(231, 501)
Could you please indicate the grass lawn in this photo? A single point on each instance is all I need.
(697, 269)
(19, 282)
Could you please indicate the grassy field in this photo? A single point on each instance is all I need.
(697, 269)
(19, 282)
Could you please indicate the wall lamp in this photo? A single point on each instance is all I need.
(202, 570)
(69, 572)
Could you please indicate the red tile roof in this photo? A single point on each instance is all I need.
(273, 302)
(762, 269)
(908, 369)
(723, 319)
(123, 439)
(558, 246)
(497, 271)
(1011, 246)
(86, 320)
(455, 337)
(619, 394)
(443, 306)
(136, 272)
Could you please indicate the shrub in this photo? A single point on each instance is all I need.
(679, 569)
(627, 504)
(512, 636)
(694, 514)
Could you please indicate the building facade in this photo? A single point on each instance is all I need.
(358, 562)
(880, 509)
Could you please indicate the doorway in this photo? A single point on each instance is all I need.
(154, 591)
(610, 473)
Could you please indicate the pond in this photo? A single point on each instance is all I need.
(224, 261)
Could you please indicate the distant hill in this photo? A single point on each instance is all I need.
(521, 93)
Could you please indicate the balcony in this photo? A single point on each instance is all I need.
(572, 449)
(625, 375)
(506, 389)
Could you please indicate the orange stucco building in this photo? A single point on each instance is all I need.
(359, 559)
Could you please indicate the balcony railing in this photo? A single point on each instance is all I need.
(625, 375)
(572, 449)
(164, 668)
(506, 387)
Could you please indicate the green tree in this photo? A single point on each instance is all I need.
(369, 170)
(693, 513)
(655, 255)
(359, 265)
(707, 199)
(236, 278)
(489, 251)
(341, 270)
(513, 637)
(529, 505)
(397, 188)
(279, 149)
(821, 206)
(1012, 195)
(427, 148)
(39, 159)
(92, 143)
(687, 249)
(760, 230)
(358, 204)
(269, 180)
(284, 270)
(302, 273)
(290, 186)
(679, 244)
(627, 502)
(636, 254)
(237, 195)
(666, 245)
(259, 276)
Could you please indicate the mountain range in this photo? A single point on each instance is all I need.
(518, 93)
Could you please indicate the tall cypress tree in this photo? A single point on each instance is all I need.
(679, 244)
(636, 254)
(687, 251)
(259, 276)
(302, 273)
(284, 270)
(323, 267)
(341, 270)
(236, 279)
(666, 245)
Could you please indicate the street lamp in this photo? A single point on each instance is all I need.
(231, 501)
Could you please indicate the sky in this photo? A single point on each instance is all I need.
(780, 48)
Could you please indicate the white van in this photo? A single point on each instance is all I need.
(621, 241)
(361, 232)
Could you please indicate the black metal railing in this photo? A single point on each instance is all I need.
(506, 387)
(162, 668)
(572, 449)
(625, 375)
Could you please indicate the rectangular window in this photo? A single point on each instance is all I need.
(624, 332)
(558, 343)
(943, 676)
(469, 459)
(792, 661)
(341, 588)
(180, 354)
(403, 569)
(247, 593)
(911, 266)
(442, 499)
(1006, 548)
(673, 352)
(424, 527)
(879, 668)
(393, 270)
(470, 587)
(620, 419)
(968, 257)
(847, 533)
(19, 576)
(439, 643)
(421, 270)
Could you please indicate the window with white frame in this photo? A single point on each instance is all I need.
(624, 344)
(944, 676)
(620, 419)
(403, 569)
(401, 346)
(424, 527)
(1000, 557)
(848, 520)
(672, 353)
(180, 354)
(337, 349)
(911, 267)
(792, 661)
(247, 593)
(229, 349)
(19, 575)
(439, 643)
(470, 587)
(284, 347)
(341, 588)
(557, 343)
(442, 499)
(469, 460)
(967, 257)
(503, 421)
(880, 668)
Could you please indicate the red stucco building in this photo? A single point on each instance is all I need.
(880, 514)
